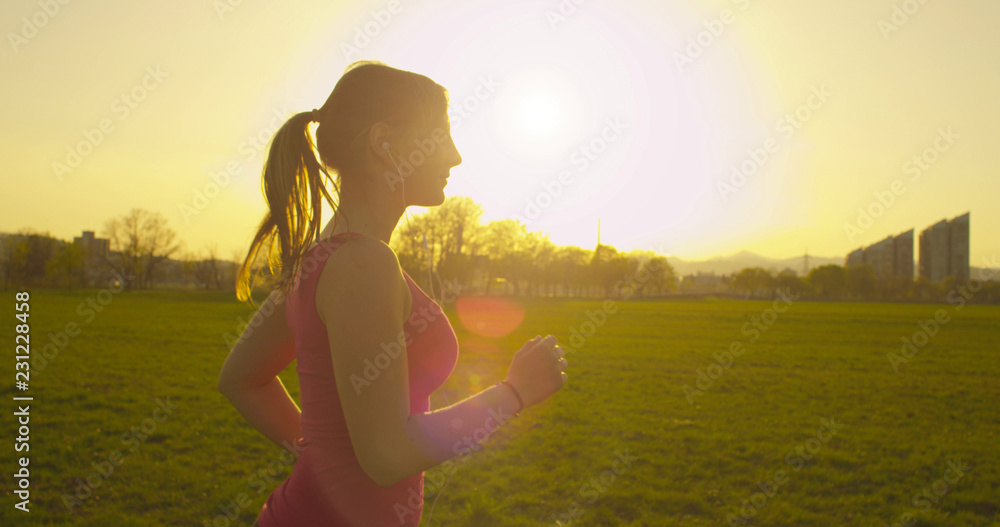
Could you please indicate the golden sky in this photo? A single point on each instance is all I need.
(645, 108)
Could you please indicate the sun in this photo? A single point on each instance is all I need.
(539, 114)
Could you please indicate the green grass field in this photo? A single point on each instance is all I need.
(810, 425)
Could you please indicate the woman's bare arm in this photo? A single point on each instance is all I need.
(363, 299)
(249, 376)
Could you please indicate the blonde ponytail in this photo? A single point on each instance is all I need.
(293, 188)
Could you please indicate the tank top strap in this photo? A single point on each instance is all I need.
(341, 236)
(347, 232)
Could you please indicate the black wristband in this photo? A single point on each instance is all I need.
(519, 399)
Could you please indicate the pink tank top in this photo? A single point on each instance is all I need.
(327, 486)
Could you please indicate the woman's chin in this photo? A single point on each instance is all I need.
(434, 199)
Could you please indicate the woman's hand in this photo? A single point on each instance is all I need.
(538, 369)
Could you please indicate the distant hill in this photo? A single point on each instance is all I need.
(735, 262)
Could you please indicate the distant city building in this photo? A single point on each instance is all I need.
(944, 249)
(96, 248)
(902, 261)
(856, 257)
(892, 256)
(880, 256)
(934, 251)
(958, 246)
(97, 251)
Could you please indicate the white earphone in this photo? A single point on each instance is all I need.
(385, 145)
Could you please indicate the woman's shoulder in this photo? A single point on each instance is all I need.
(364, 252)
(362, 267)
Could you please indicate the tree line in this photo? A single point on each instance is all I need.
(860, 282)
(446, 248)
(451, 245)
(142, 249)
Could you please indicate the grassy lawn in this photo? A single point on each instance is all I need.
(811, 424)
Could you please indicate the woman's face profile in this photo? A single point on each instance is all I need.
(427, 159)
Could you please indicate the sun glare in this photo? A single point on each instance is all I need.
(539, 115)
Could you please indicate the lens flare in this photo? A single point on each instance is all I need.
(489, 316)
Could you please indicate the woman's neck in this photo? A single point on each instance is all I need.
(375, 218)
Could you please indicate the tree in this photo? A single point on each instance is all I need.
(828, 281)
(607, 267)
(924, 289)
(143, 242)
(408, 243)
(570, 268)
(535, 260)
(898, 287)
(456, 222)
(69, 262)
(661, 274)
(789, 281)
(8, 259)
(205, 272)
(755, 281)
(455, 219)
(649, 271)
(948, 284)
(862, 281)
(502, 239)
(29, 257)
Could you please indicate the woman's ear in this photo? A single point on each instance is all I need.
(378, 133)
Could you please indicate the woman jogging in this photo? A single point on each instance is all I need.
(368, 355)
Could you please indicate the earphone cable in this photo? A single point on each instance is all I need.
(399, 173)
